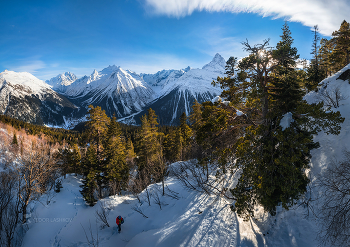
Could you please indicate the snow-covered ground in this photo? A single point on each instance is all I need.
(193, 219)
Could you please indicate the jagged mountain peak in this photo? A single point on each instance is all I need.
(217, 64)
(110, 69)
(62, 80)
(117, 91)
(188, 68)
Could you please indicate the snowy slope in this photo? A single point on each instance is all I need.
(333, 146)
(163, 79)
(191, 220)
(25, 97)
(178, 96)
(115, 90)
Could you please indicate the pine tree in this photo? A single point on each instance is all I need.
(116, 170)
(97, 127)
(14, 140)
(314, 71)
(196, 115)
(326, 48)
(171, 150)
(150, 159)
(90, 172)
(130, 152)
(340, 56)
(186, 136)
(272, 158)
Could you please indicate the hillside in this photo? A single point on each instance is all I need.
(185, 217)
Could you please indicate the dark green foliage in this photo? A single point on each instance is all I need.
(14, 140)
(315, 72)
(272, 159)
(91, 176)
(117, 170)
(341, 54)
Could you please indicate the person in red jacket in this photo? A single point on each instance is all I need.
(119, 220)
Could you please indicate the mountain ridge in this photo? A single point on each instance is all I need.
(125, 93)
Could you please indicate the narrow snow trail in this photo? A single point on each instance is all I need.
(47, 221)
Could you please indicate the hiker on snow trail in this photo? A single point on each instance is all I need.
(119, 220)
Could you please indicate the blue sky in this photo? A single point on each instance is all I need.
(47, 38)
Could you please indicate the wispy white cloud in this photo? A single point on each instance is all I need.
(216, 40)
(31, 66)
(327, 14)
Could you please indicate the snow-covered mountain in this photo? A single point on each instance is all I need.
(25, 97)
(64, 99)
(163, 79)
(115, 90)
(216, 65)
(179, 95)
(60, 82)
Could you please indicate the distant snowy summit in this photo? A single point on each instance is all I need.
(164, 77)
(217, 64)
(25, 97)
(115, 90)
(177, 90)
(60, 82)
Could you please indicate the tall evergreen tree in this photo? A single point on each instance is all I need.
(340, 56)
(196, 115)
(116, 170)
(91, 176)
(97, 126)
(130, 153)
(272, 156)
(150, 159)
(326, 48)
(94, 166)
(186, 136)
(172, 151)
(14, 140)
(314, 71)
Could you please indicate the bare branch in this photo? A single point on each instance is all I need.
(137, 209)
